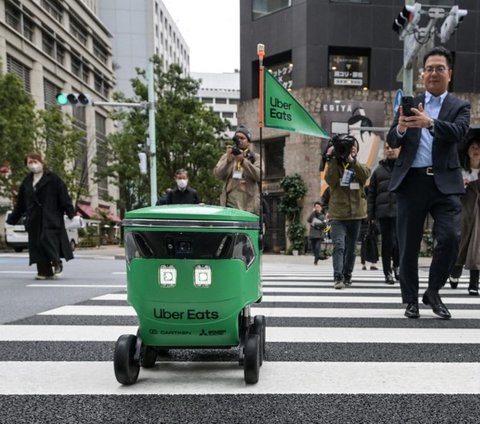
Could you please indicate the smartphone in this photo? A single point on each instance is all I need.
(407, 104)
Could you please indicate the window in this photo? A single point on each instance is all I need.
(101, 137)
(266, 7)
(221, 101)
(349, 1)
(48, 44)
(100, 52)
(348, 68)
(19, 21)
(50, 91)
(53, 8)
(227, 114)
(234, 101)
(78, 30)
(207, 99)
(81, 161)
(101, 85)
(19, 69)
(274, 167)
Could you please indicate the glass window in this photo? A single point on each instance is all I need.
(207, 99)
(347, 69)
(221, 101)
(19, 69)
(262, 8)
(234, 101)
(101, 138)
(349, 1)
(78, 30)
(50, 91)
(227, 114)
(274, 167)
(53, 8)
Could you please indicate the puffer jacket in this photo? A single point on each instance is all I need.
(382, 203)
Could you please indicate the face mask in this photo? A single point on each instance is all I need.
(36, 168)
(182, 183)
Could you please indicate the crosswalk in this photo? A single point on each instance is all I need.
(321, 343)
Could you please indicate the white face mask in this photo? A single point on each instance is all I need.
(36, 168)
(182, 183)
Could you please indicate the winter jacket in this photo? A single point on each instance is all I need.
(382, 203)
(346, 203)
(316, 232)
(188, 196)
(44, 206)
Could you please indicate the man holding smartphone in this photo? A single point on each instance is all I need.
(427, 179)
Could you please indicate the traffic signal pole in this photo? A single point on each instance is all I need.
(407, 84)
(151, 134)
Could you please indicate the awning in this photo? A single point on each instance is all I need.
(114, 218)
(87, 211)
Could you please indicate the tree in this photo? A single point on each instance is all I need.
(291, 206)
(188, 135)
(18, 125)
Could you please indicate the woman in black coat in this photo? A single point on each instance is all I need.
(44, 199)
(382, 206)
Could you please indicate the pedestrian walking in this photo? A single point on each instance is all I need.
(347, 205)
(469, 252)
(427, 179)
(316, 234)
(382, 207)
(43, 199)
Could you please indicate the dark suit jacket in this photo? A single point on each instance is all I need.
(449, 130)
(189, 196)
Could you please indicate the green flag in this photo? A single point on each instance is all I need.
(283, 111)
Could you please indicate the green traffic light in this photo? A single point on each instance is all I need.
(62, 99)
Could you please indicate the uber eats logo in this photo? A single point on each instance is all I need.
(190, 314)
(280, 109)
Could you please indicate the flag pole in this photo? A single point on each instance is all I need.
(261, 54)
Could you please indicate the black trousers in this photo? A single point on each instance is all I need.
(390, 256)
(45, 269)
(416, 197)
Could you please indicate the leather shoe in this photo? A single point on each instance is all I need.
(433, 300)
(412, 310)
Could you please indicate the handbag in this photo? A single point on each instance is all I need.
(74, 223)
(318, 224)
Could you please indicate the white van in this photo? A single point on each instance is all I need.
(16, 236)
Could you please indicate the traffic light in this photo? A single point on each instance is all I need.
(74, 99)
(451, 23)
(407, 20)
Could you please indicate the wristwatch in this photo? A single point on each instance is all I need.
(431, 124)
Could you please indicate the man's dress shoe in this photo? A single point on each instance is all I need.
(433, 300)
(412, 311)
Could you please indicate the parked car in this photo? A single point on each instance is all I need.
(16, 236)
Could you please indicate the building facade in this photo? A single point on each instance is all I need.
(55, 46)
(140, 30)
(220, 92)
(342, 61)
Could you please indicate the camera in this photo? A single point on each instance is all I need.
(342, 146)
(236, 150)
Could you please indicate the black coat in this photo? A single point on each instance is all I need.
(382, 203)
(44, 208)
(189, 196)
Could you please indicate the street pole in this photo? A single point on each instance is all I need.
(151, 134)
(407, 69)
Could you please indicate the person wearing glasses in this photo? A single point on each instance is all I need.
(427, 178)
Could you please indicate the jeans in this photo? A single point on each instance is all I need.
(344, 239)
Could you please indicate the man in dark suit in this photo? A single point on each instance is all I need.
(427, 179)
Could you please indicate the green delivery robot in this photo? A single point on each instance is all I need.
(193, 271)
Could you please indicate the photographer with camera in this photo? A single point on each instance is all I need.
(239, 168)
(347, 205)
